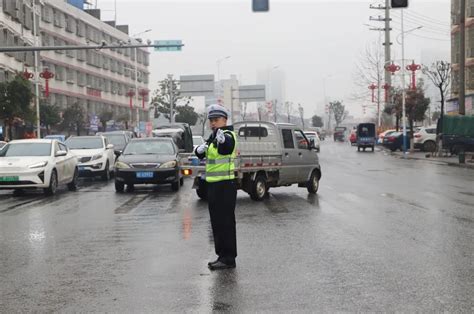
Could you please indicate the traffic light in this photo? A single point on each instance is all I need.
(261, 5)
(399, 4)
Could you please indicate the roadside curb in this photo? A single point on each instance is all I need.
(447, 163)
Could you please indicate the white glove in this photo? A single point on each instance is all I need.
(220, 137)
(201, 149)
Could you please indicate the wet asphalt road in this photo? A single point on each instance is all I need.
(383, 234)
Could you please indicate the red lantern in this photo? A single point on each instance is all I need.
(46, 75)
(413, 68)
(392, 68)
(130, 94)
(27, 75)
(143, 93)
(386, 87)
(373, 87)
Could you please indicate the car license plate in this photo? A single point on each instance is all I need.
(9, 179)
(144, 174)
(82, 168)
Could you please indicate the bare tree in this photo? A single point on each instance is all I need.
(370, 70)
(339, 111)
(439, 74)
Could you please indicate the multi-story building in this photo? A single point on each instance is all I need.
(98, 80)
(16, 29)
(456, 55)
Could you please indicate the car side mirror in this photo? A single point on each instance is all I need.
(110, 146)
(61, 153)
(118, 153)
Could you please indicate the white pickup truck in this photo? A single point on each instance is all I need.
(268, 155)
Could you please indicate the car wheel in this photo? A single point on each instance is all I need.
(106, 173)
(259, 188)
(373, 148)
(393, 149)
(429, 146)
(130, 188)
(119, 186)
(313, 183)
(72, 186)
(175, 186)
(358, 148)
(18, 192)
(181, 181)
(53, 184)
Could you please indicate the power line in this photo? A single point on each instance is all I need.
(415, 21)
(426, 29)
(421, 36)
(430, 19)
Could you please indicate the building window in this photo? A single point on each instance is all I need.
(60, 74)
(455, 52)
(81, 78)
(80, 28)
(47, 14)
(455, 82)
(470, 78)
(70, 24)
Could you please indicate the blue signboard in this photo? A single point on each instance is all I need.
(168, 45)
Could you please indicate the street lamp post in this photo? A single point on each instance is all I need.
(404, 122)
(218, 62)
(273, 102)
(36, 57)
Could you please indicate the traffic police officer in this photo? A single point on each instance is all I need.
(220, 151)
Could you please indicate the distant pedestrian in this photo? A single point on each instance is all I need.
(220, 153)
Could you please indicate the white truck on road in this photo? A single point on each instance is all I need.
(268, 155)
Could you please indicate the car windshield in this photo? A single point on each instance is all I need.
(26, 149)
(117, 139)
(85, 143)
(197, 140)
(149, 148)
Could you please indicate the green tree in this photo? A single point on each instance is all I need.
(15, 102)
(416, 105)
(167, 93)
(105, 116)
(49, 116)
(339, 111)
(435, 116)
(317, 121)
(74, 119)
(186, 114)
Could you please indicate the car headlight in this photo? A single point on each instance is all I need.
(169, 164)
(38, 165)
(121, 165)
(95, 157)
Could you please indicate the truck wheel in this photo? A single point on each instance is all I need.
(358, 148)
(259, 188)
(201, 191)
(373, 148)
(313, 183)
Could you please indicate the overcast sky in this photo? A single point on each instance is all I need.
(308, 40)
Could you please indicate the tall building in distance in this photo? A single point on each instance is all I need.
(98, 80)
(456, 55)
(275, 81)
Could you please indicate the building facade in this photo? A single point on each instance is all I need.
(98, 80)
(456, 55)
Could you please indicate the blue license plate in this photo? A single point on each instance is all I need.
(144, 175)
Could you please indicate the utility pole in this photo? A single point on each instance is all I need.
(171, 92)
(136, 87)
(462, 61)
(404, 120)
(387, 45)
(36, 55)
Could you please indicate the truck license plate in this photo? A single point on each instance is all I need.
(144, 175)
(9, 179)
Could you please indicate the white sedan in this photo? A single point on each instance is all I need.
(37, 163)
(94, 154)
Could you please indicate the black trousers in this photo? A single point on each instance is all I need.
(222, 197)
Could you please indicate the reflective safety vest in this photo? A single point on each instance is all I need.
(220, 167)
